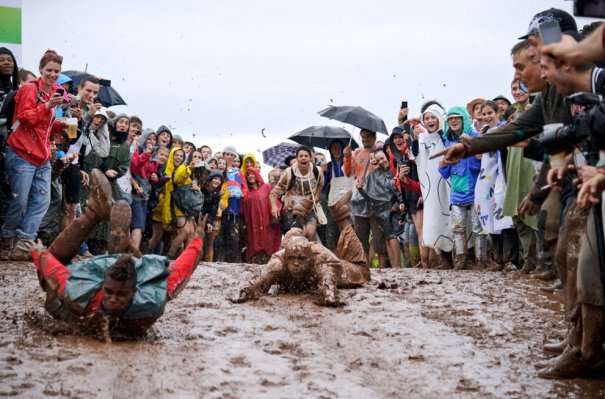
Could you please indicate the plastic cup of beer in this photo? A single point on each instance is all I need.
(72, 128)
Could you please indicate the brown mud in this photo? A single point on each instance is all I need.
(407, 334)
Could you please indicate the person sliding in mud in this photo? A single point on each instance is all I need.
(302, 264)
(113, 296)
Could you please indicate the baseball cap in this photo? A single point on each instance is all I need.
(566, 21)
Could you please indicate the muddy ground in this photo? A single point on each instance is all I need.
(407, 334)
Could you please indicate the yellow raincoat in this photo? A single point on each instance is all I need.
(164, 211)
(243, 164)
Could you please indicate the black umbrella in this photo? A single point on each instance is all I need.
(107, 94)
(322, 136)
(356, 116)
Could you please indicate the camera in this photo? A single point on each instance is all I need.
(585, 126)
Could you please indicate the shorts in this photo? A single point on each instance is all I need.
(71, 179)
(139, 214)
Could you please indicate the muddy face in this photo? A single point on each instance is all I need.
(298, 266)
(116, 295)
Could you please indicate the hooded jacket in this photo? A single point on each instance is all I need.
(167, 210)
(463, 175)
(212, 199)
(142, 167)
(243, 164)
(379, 190)
(31, 139)
(161, 129)
(261, 234)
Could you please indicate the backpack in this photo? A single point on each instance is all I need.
(293, 177)
(7, 111)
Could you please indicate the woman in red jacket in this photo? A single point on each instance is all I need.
(27, 158)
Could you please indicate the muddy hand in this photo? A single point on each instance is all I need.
(244, 295)
(451, 155)
(327, 297)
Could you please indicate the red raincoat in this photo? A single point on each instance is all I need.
(31, 139)
(261, 234)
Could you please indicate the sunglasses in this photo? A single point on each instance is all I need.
(54, 57)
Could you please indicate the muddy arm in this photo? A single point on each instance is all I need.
(53, 274)
(272, 273)
(327, 293)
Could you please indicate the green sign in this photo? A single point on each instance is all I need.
(10, 25)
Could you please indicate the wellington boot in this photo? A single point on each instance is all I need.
(99, 199)
(341, 209)
(571, 364)
(119, 238)
(460, 262)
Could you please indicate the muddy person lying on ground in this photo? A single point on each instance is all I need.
(302, 264)
(113, 296)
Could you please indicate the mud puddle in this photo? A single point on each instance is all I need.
(409, 333)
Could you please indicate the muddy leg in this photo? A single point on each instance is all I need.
(67, 244)
(120, 219)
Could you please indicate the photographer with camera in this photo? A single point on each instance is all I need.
(584, 289)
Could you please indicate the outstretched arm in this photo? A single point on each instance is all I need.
(52, 273)
(271, 274)
(184, 266)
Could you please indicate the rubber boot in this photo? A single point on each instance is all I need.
(67, 244)
(588, 360)
(119, 223)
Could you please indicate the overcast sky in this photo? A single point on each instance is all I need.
(224, 70)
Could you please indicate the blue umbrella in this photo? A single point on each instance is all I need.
(276, 155)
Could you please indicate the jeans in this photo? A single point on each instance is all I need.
(460, 215)
(30, 196)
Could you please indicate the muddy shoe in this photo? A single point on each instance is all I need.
(460, 262)
(99, 199)
(547, 275)
(495, 267)
(119, 238)
(22, 251)
(302, 207)
(555, 347)
(571, 364)
(510, 267)
(341, 209)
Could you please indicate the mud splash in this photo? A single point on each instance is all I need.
(408, 333)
